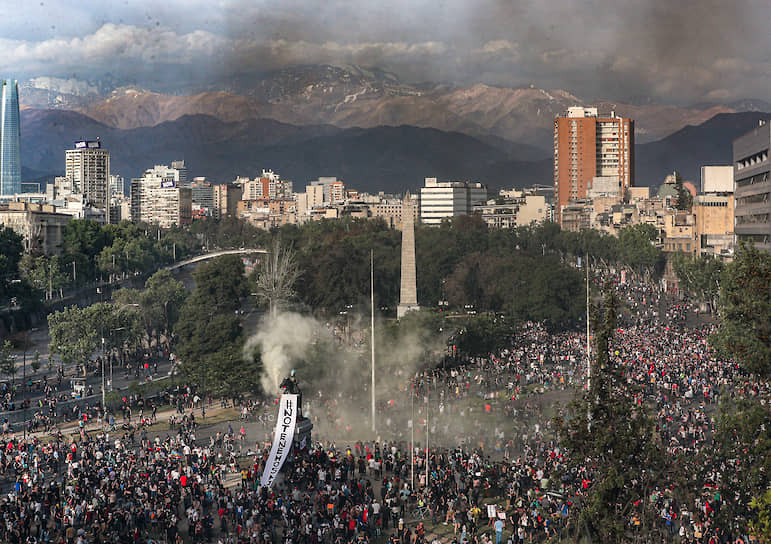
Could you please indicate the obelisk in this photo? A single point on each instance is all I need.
(408, 296)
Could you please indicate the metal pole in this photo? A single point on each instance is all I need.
(588, 346)
(102, 363)
(428, 394)
(372, 341)
(24, 385)
(588, 354)
(412, 439)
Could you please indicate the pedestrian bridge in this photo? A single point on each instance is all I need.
(213, 255)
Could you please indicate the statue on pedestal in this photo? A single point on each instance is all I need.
(291, 387)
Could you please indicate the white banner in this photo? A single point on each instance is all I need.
(282, 439)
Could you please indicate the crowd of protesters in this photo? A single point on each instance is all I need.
(493, 466)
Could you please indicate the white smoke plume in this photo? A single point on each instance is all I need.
(284, 340)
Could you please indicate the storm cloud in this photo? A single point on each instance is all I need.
(676, 52)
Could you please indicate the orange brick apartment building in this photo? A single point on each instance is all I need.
(588, 146)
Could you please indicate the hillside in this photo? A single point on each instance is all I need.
(381, 158)
(692, 147)
(388, 158)
(353, 96)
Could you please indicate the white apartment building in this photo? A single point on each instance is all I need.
(88, 169)
(440, 200)
(158, 197)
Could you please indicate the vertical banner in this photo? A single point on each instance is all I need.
(282, 439)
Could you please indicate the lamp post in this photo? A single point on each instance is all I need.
(104, 409)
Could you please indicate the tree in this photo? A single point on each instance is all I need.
(209, 331)
(220, 283)
(743, 440)
(614, 437)
(637, 249)
(684, 197)
(743, 435)
(230, 371)
(84, 236)
(483, 335)
(44, 273)
(761, 527)
(745, 307)
(73, 336)
(699, 276)
(159, 303)
(11, 249)
(118, 326)
(7, 360)
(276, 276)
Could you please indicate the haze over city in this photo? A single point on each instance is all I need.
(680, 53)
(407, 272)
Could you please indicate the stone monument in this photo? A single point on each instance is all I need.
(408, 295)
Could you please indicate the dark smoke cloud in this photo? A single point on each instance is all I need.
(682, 51)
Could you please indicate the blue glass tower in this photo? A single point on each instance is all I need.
(10, 138)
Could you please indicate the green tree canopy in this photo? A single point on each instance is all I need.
(745, 307)
(616, 437)
(11, 249)
(637, 249)
(209, 331)
(699, 276)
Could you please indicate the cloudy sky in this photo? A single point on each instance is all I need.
(681, 51)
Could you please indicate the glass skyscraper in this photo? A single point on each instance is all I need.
(10, 138)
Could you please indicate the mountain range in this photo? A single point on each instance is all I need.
(380, 158)
(362, 125)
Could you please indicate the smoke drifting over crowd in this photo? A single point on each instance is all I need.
(683, 51)
(333, 364)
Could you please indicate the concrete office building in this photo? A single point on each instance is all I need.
(40, 225)
(158, 197)
(440, 200)
(588, 145)
(87, 167)
(10, 138)
(752, 186)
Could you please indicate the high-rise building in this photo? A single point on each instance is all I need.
(337, 192)
(752, 186)
(325, 182)
(226, 197)
(159, 197)
(10, 138)
(203, 196)
(180, 167)
(88, 168)
(588, 145)
(444, 199)
(117, 185)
